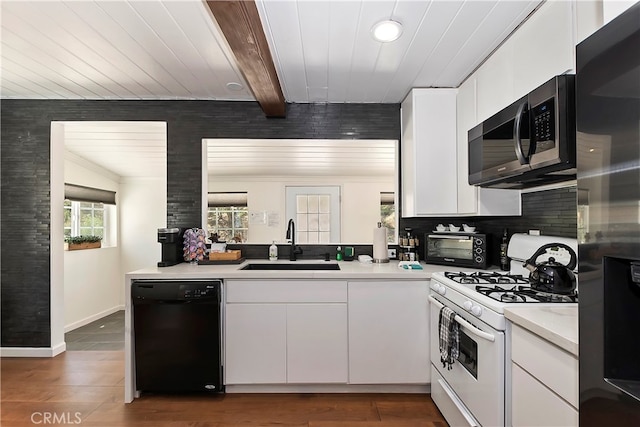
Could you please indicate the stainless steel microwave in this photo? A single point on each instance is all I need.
(457, 249)
(531, 142)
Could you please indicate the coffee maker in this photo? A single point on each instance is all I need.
(172, 246)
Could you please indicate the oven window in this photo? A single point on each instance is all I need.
(468, 355)
(450, 248)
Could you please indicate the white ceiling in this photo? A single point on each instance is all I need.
(127, 149)
(323, 52)
(294, 157)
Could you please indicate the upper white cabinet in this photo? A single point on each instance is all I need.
(435, 160)
(428, 150)
(543, 47)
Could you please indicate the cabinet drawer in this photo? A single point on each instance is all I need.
(551, 365)
(285, 291)
(548, 410)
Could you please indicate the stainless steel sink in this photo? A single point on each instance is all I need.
(292, 266)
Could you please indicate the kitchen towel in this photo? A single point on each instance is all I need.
(380, 253)
(449, 337)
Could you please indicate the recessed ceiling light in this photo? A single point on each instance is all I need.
(234, 86)
(386, 31)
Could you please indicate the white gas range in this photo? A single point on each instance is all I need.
(475, 390)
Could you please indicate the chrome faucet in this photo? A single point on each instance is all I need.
(291, 235)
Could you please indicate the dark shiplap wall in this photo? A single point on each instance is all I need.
(25, 183)
(25, 199)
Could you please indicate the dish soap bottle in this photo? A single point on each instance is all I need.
(273, 252)
(339, 254)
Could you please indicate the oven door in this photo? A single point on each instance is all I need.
(475, 383)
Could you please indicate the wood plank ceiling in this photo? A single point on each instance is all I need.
(322, 51)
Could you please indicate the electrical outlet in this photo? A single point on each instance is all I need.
(391, 253)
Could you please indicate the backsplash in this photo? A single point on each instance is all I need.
(553, 212)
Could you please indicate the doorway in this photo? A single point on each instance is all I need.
(129, 158)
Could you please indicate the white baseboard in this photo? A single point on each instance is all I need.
(328, 388)
(33, 351)
(92, 318)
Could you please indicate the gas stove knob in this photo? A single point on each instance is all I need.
(467, 305)
(476, 310)
(441, 290)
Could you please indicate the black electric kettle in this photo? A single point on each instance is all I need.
(551, 276)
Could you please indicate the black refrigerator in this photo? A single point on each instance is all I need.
(608, 162)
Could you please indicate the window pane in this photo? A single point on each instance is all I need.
(98, 218)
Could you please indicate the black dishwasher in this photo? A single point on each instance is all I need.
(177, 335)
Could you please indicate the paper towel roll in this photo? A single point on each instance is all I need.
(380, 253)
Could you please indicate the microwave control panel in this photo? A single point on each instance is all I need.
(543, 117)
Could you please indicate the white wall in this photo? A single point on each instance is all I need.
(360, 203)
(143, 209)
(92, 278)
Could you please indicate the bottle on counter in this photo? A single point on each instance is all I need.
(273, 252)
(504, 259)
(339, 253)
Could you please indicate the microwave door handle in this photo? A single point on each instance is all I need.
(517, 142)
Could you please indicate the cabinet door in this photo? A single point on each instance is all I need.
(549, 409)
(388, 333)
(429, 166)
(466, 119)
(255, 343)
(317, 343)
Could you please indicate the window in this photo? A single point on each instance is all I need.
(388, 215)
(84, 219)
(228, 216)
(90, 212)
(230, 222)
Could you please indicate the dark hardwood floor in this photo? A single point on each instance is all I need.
(86, 388)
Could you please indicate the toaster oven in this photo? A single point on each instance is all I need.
(457, 249)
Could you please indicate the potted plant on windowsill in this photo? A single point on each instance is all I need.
(82, 242)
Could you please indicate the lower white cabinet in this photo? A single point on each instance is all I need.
(549, 409)
(255, 344)
(317, 343)
(545, 374)
(389, 332)
(326, 332)
(281, 331)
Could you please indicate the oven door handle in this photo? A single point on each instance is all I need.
(466, 325)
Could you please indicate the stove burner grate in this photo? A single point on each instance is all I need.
(486, 278)
(524, 294)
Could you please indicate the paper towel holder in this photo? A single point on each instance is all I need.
(385, 258)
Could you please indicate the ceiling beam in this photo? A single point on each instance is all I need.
(240, 23)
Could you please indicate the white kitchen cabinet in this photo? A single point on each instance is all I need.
(543, 47)
(285, 331)
(474, 200)
(546, 374)
(389, 332)
(317, 343)
(255, 344)
(428, 153)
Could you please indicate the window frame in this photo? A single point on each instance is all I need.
(76, 209)
(232, 210)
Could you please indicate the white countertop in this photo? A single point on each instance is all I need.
(557, 324)
(348, 270)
